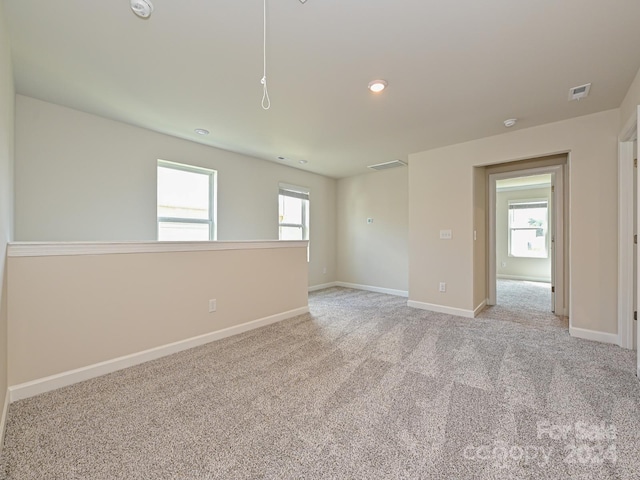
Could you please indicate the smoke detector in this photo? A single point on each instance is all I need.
(142, 8)
(576, 93)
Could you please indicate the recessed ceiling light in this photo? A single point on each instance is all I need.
(302, 162)
(282, 158)
(142, 8)
(376, 86)
(510, 122)
(201, 131)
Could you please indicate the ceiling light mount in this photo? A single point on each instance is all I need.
(510, 122)
(142, 8)
(376, 86)
(202, 131)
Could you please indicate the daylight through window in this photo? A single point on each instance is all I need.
(293, 213)
(186, 202)
(528, 227)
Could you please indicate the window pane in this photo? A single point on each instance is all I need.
(291, 233)
(183, 194)
(291, 209)
(176, 232)
(522, 217)
(530, 242)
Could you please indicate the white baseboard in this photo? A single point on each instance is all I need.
(3, 419)
(479, 308)
(46, 384)
(369, 288)
(322, 286)
(524, 278)
(459, 312)
(593, 335)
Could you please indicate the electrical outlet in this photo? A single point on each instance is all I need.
(443, 287)
(504, 264)
(212, 305)
(324, 271)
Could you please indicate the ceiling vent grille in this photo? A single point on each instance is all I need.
(576, 93)
(387, 165)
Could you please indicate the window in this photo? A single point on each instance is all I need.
(293, 213)
(528, 222)
(186, 202)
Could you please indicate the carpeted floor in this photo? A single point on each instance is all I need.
(522, 295)
(524, 302)
(363, 387)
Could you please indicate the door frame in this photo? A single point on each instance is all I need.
(558, 245)
(625, 232)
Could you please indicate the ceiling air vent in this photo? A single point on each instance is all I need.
(576, 93)
(387, 165)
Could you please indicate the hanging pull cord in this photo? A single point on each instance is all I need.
(266, 102)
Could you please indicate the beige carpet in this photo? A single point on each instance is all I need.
(524, 302)
(362, 388)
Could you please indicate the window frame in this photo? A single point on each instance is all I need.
(213, 208)
(510, 229)
(302, 193)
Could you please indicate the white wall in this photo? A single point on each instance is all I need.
(374, 254)
(518, 267)
(94, 307)
(445, 177)
(629, 105)
(80, 177)
(7, 101)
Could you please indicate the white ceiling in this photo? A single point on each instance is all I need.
(456, 69)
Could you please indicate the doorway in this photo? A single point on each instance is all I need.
(628, 212)
(636, 284)
(526, 238)
(524, 233)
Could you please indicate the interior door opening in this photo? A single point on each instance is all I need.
(526, 239)
(634, 335)
(524, 242)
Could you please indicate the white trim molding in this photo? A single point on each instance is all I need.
(625, 232)
(594, 335)
(370, 288)
(3, 419)
(458, 312)
(479, 308)
(53, 382)
(322, 286)
(47, 249)
(525, 278)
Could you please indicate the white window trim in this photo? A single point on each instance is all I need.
(305, 213)
(304, 194)
(509, 228)
(213, 207)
